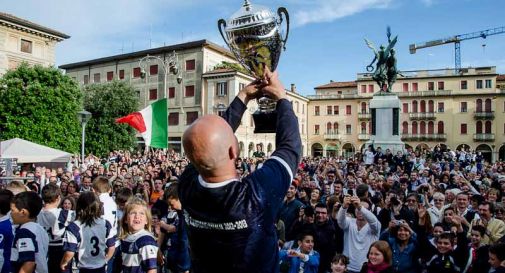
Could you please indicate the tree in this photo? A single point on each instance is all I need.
(40, 104)
(106, 102)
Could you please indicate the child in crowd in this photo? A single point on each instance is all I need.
(303, 259)
(29, 248)
(173, 238)
(339, 263)
(54, 220)
(102, 188)
(5, 231)
(138, 246)
(89, 236)
(379, 258)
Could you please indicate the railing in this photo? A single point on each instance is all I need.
(332, 136)
(353, 95)
(363, 137)
(483, 137)
(424, 137)
(364, 116)
(484, 115)
(420, 116)
(429, 93)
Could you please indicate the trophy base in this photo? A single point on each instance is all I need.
(265, 123)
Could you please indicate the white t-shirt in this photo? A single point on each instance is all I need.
(110, 212)
(30, 245)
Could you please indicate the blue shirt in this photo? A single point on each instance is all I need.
(297, 265)
(6, 238)
(405, 260)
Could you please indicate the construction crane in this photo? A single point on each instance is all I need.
(457, 40)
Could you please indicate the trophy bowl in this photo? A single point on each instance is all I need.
(253, 34)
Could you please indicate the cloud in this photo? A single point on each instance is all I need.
(329, 10)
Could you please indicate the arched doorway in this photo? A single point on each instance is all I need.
(331, 149)
(348, 150)
(501, 153)
(486, 151)
(317, 150)
(422, 147)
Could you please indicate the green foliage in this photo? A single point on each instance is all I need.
(234, 66)
(106, 102)
(40, 104)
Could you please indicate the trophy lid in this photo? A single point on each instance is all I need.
(250, 15)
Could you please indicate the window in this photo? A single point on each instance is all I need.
(488, 83)
(363, 128)
(405, 108)
(440, 128)
(121, 74)
(431, 128)
(96, 77)
(335, 127)
(422, 128)
(86, 79)
(363, 88)
(329, 128)
(414, 86)
(463, 130)
(190, 65)
(440, 85)
(153, 69)
(431, 106)
(316, 110)
(329, 110)
(405, 87)
(423, 106)
(370, 88)
(405, 128)
(487, 105)
(414, 106)
(190, 91)
(190, 117)
(348, 129)
(431, 86)
(110, 76)
(463, 108)
(464, 85)
(363, 107)
(478, 127)
(137, 92)
(348, 110)
(316, 129)
(297, 106)
(173, 119)
(479, 84)
(241, 86)
(441, 107)
(303, 108)
(414, 127)
(335, 110)
(136, 72)
(478, 106)
(26, 46)
(153, 94)
(488, 127)
(222, 89)
(171, 92)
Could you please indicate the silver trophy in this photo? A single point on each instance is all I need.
(253, 34)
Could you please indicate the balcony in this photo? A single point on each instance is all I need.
(422, 116)
(332, 136)
(424, 137)
(484, 115)
(363, 137)
(364, 116)
(483, 137)
(429, 93)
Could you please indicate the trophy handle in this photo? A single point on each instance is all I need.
(222, 23)
(280, 11)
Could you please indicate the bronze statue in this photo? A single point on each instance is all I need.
(385, 63)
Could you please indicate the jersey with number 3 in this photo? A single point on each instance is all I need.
(90, 243)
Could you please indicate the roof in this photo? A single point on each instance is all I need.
(220, 70)
(500, 77)
(25, 25)
(151, 51)
(29, 152)
(337, 85)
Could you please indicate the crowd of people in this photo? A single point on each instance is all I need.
(418, 211)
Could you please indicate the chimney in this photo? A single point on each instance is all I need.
(293, 88)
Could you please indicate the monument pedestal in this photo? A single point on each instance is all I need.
(385, 110)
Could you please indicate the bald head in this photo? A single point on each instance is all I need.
(211, 145)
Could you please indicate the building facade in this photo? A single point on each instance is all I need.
(439, 107)
(25, 41)
(203, 89)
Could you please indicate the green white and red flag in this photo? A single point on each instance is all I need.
(151, 122)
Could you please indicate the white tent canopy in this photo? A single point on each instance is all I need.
(29, 152)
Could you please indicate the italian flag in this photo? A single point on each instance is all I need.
(151, 122)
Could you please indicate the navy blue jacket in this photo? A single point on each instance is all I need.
(231, 224)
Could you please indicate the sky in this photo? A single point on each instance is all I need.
(326, 38)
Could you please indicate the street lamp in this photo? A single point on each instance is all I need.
(83, 117)
(169, 64)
